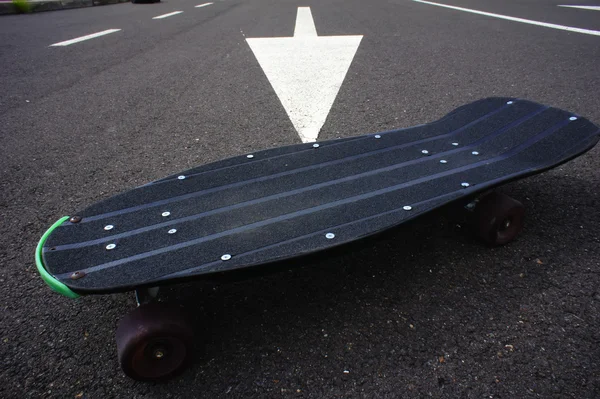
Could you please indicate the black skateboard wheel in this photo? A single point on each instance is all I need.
(498, 218)
(154, 342)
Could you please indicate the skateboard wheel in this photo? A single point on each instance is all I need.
(498, 218)
(154, 342)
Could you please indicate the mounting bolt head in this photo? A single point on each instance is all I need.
(465, 184)
(182, 177)
(226, 257)
(172, 231)
(75, 219)
(111, 246)
(109, 227)
(165, 214)
(77, 275)
(407, 207)
(330, 236)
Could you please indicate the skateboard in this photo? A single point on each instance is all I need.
(272, 206)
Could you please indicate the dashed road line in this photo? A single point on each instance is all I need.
(515, 19)
(203, 5)
(86, 37)
(167, 15)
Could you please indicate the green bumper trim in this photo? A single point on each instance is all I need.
(47, 277)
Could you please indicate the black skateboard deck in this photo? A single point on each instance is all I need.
(282, 203)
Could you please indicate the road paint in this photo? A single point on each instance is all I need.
(305, 25)
(595, 8)
(168, 15)
(203, 5)
(515, 19)
(306, 71)
(86, 37)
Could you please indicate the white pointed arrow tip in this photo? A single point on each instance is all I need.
(308, 134)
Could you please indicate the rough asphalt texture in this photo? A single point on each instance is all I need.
(426, 311)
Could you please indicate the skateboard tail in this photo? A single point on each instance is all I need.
(48, 278)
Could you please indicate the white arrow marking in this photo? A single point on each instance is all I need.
(306, 71)
(595, 8)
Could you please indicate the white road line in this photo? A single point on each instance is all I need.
(203, 5)
(86, 37)
(522, 20)
(595, 8)
(168, 15)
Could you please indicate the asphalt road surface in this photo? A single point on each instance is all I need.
(427, 311)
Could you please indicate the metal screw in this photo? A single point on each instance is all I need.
(181, 177)
(475, 153)
(111, 246)
(159, 354)
(75, 219)
(172, 231)
(510, 102)
(425, 152)
(77, 275)
(315, 145)
(226, 257)
(407, 207)
(377, 136)
(465, 184)
(443, 161)
(250, 156)
(165, 214)
(470, 205)
(455, 144)
(329, 236)
(109, 227)
(573, 118)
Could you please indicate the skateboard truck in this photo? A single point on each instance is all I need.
(496, 218)
(146, 295)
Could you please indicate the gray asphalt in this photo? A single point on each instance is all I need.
(426, 311)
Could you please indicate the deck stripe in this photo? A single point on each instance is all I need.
(300, 190)
(289, 172)
(303, 212)
(260, 160)
(332, 229)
